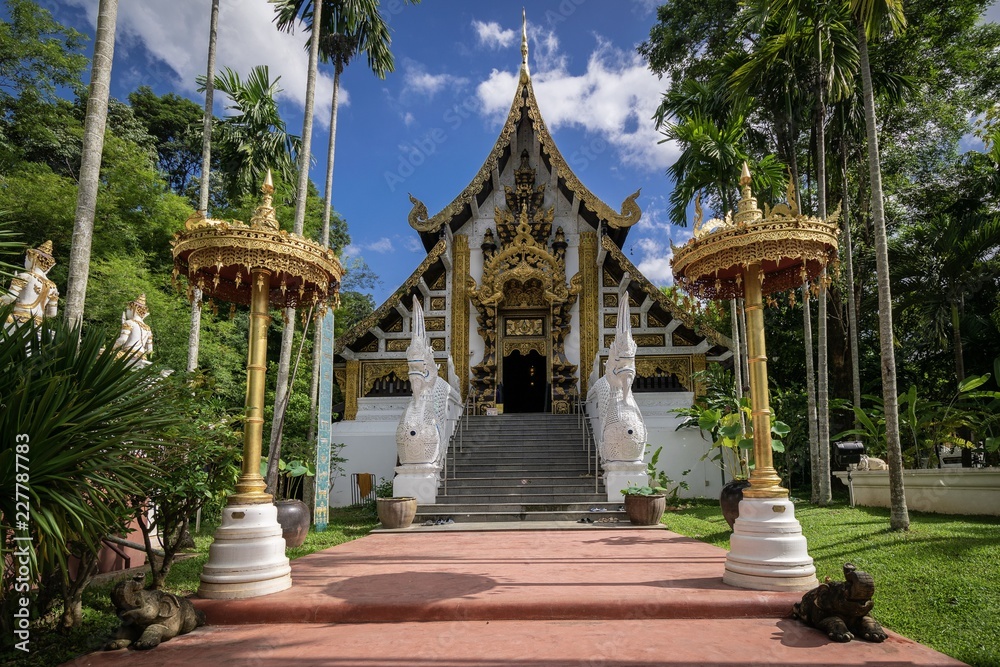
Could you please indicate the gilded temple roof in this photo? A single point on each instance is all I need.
(524, 106)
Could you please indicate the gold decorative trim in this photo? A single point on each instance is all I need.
(588, 306)
(654, 321)
(650, 340)
(434, 323)
(610, 300)
(353, 370)
(371, 347)
(373, 371)
(340, 377)
(681, 367)
(397, 344)
(524, 326)
(699, 363)
(437, 303)
(524, 346)
(460, 310)
(396, 326)
(437, 344)
(611, 320)
(662, 299)
(379, 313)
(609, 280)
(680, 341)
(439, 283)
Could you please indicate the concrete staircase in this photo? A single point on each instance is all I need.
(521, 467)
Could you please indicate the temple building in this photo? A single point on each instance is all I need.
(520, 294)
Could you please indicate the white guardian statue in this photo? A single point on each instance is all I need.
(34, 296)
(620, 424)
(423, 431)
(136, 338)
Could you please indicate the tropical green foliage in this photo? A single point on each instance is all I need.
(657, 481)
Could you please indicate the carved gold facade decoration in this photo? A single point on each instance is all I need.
(609, 280)
(610, 300)
(611, 320)
(397, 344)
(353, 371)
(651, 367)
(654, 321)
(437, 303)
(440, 283)
(371, 347)
(382, 311)
(396, 326)
(434, 323)
(524, 346)
(589, 291)
(437, 344)
(523, 326)
(650, 340)
(460, 309)
(521, 272)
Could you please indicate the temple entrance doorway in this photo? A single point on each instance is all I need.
(524, 382)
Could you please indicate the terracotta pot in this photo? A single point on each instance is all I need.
(293, 516)
(396, 512)
(729, 499)
(645, 510)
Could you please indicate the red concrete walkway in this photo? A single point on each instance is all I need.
(586, 597)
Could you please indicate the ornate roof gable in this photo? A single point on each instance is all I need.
(524, 103)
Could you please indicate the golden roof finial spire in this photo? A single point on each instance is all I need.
(524, 39)
(264, 215)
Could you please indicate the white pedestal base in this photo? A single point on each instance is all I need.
(247, 558)
(767, 551)
(620, 474)
(418, 481)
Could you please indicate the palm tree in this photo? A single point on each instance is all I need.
(942, 262)
(347, 27)
(869, 17)
(194, 337)
(90, 163)
(253, 139)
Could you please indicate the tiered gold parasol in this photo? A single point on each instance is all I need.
(756, 253)
(255, 264)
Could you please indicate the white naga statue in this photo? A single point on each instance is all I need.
(135, 338)
(34, 296)
(623, 431)
(421, 435)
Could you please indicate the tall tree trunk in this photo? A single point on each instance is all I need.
(852, 311)
(194, 335)
(325, 240)
(90, 163)
(956, 340)
(814, 465)
(288, 332)
(899, 518)
(738, 366)
(823, 357)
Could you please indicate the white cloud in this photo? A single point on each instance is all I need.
(492, 36)
(351, 251)
(614, 99)
(413, 244)
(657, 269)
(408, 119)
(382, 246)
(176, 33)
(416, 79)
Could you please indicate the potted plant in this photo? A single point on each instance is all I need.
(646, 504)
(293, 514)
(729, 423)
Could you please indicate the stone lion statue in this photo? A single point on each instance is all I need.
(841, 608)
(150, 617)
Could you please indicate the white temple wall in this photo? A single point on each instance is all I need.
(369, 444)
(682, 450)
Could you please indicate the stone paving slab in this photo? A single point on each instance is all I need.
(705, 642)
(522, 575)
(551, 598)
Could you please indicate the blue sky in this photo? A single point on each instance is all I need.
(428, 126)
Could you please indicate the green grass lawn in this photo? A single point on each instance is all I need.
(938, 584)
(99, 620)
